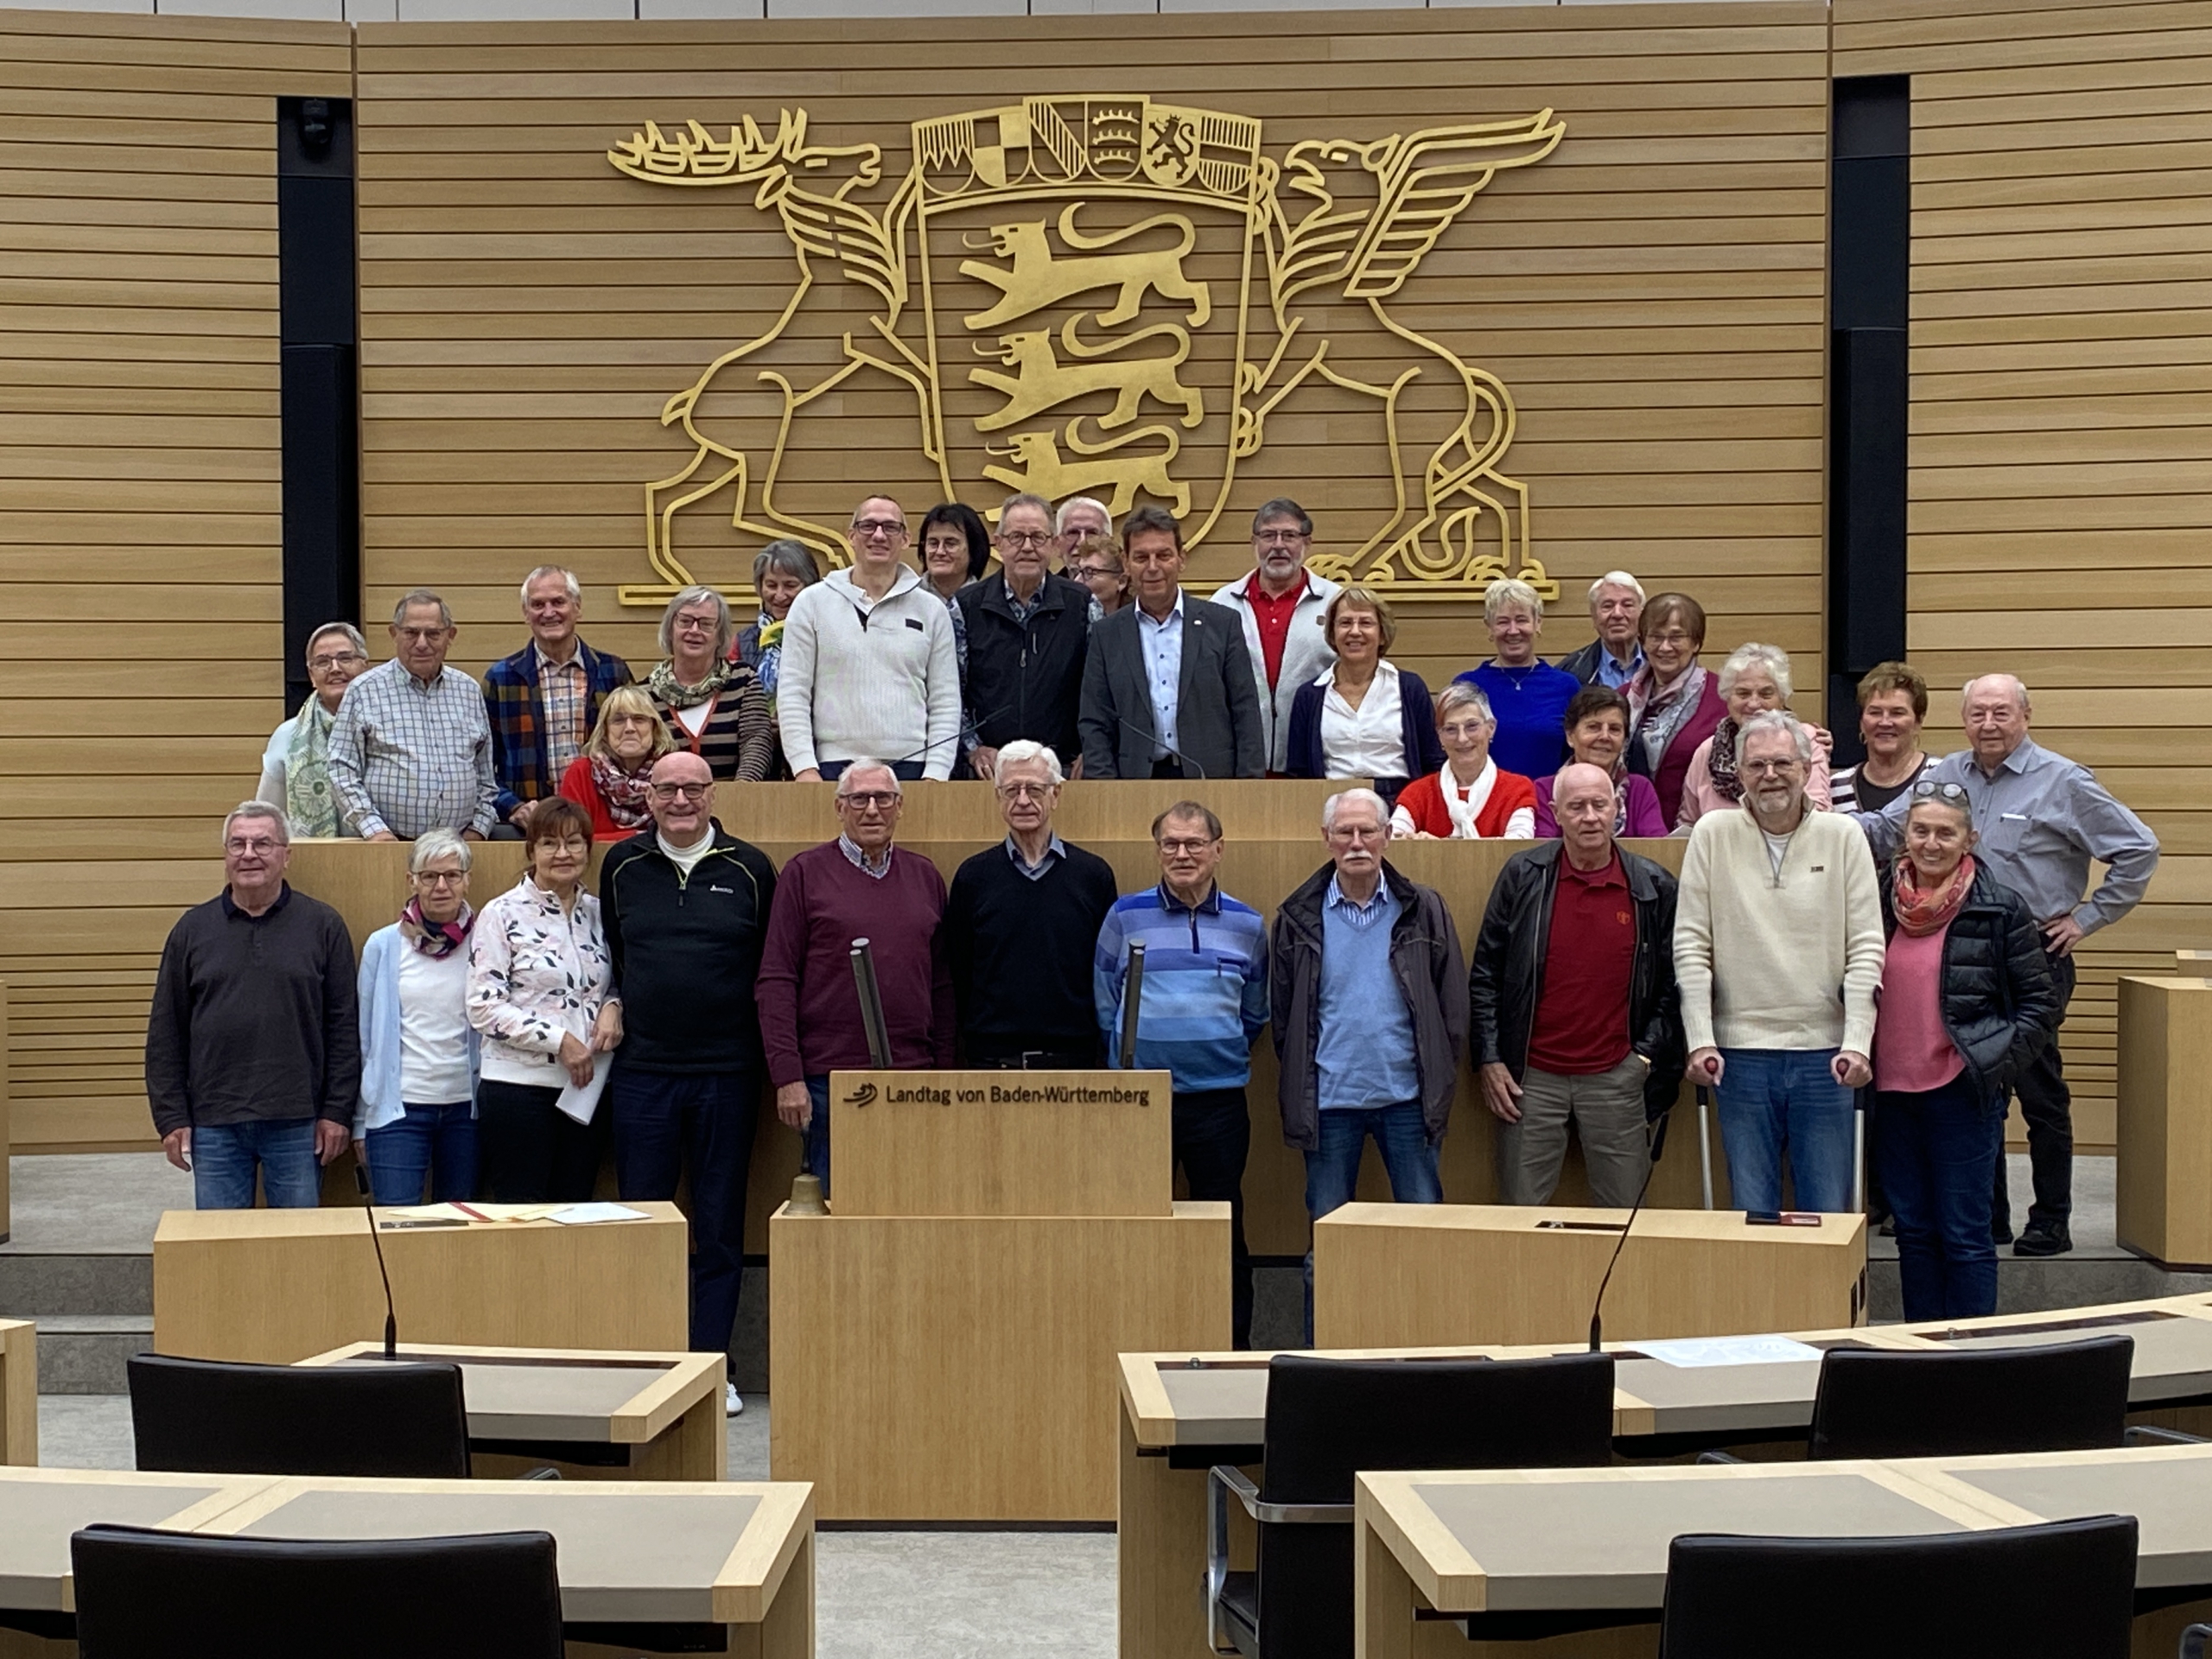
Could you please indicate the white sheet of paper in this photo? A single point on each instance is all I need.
(1692, 1351)
(581, 1103)
(586, 1215)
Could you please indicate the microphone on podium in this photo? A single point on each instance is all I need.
(1132, 993)
(879, 1039)
(1596, 1307)
(390, 1317)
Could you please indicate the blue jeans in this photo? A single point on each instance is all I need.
(1779, 1101)
(1937, 1149)
(664, 1121)
(816, 1162)
(438, 1141)
(224, 1156)
(1332, 1167)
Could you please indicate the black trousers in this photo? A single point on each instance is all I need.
(1213, 1138)
(528, 1152)
(663, 1122)
(2048, 1106)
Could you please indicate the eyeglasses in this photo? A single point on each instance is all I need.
(1760, 767)
(1092, 572)
(1929, 788)
(1674, 637)
(421, 636)
(343, 660)
(689, 792)
(261, 845)
(1279, 538)
(892, 529)
(1464, 731)
(1023, 538)
(1026, 792)
(1196, 844)
(697, 624)
(882, 799)
(440, 878)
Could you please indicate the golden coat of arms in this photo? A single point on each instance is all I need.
(1105, 296)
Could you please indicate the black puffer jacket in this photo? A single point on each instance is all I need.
(1998, 1004)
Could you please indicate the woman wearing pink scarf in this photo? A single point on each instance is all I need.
(1673, 704)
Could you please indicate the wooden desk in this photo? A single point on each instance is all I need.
(1397, 1274)
(1593, 1543)
(594, 1416)
(41, 1508)
(1183, 1411)
(18, 1392)
(2164, 1122)
(275, 1286)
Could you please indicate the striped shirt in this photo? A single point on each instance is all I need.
(1204, 1000)
(406, 757)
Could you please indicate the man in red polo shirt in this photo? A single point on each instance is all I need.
(1280, 602)
(1574, 1014)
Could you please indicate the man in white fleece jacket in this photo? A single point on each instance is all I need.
(869, 666)
(1778, 951)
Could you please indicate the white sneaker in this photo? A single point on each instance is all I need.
(732, 1406)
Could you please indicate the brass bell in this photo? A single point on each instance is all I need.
(806, 1196)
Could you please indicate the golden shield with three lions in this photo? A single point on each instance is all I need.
(1113, 297)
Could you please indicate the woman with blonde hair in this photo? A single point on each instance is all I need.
(1527, 696)
(612, 779)
(1364, 716)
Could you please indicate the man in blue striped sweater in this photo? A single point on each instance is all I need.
(1204, 1004)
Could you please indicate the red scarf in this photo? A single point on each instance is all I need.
(1920, 912)
(625, 792)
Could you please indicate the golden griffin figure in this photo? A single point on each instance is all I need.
(1106, 296)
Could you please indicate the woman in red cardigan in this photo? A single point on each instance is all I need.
(1673, 705)
(608, 779)
(1470, 798)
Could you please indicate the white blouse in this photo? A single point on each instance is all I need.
(1369, 741)
(434, 1028)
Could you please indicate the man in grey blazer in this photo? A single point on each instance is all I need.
(1167, 687)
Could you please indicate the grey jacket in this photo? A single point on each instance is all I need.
(1426, 960)
(1218, 723)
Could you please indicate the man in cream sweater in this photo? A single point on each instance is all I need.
(1778, 950)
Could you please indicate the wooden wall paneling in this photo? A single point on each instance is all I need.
(2062, 412)
(139, 536)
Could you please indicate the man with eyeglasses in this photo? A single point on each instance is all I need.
(686, 906)
(1281, 604)
(1079, 516)
(1027, 634)
(1203, 1005)
(295, 766)
(858, 887)
(1019, 925)
(544, 701)
(411, 748)
(1778, 949)
(253, 1050)
(2040, 818)
(869, 664)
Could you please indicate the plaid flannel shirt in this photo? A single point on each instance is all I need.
(513, 705)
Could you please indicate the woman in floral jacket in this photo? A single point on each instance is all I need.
(538, 974)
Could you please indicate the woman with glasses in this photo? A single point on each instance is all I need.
(1365, 717)
(538, 974)
(612, 779)
(1097, 564)
(1673, 704)
(1966, 1005)
(1754, 680)
(713, 706)
(1469, 797)
(1597, 735)
(418, 1113)
(295, 766)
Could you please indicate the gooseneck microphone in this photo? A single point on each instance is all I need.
(1596, 1307)
(1155, 737)
(390, 1317)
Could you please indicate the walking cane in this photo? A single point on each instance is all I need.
(1859, 1151)
(1705, 1144)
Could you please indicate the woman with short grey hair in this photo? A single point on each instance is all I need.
(295, 766)
(780, 572)
(416, 1116)
(712, 703)
(1754, 680)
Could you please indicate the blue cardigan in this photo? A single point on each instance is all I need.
(379, 997)
(1424, 749)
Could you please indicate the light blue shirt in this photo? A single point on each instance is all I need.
(1363, 1055)
(1614, 675)
(1058, 848)
(1163, 672)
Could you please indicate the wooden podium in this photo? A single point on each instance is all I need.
(2164, 1122)
(943, 1345)
(1392, 1275)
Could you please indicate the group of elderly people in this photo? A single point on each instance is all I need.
(934, 671)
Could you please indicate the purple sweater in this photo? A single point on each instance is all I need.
(1642, 817)
(809, 1013)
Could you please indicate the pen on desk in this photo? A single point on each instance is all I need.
(471, 1213)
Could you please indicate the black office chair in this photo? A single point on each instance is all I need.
(203, 1416)
(1878, 1402)
(147, 1594)
(2061, 1591)
(1329, 1419)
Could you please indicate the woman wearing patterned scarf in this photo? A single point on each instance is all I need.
(1754, 680)
(295, 768)
(417, 1111)
(780, 573)
(1966, 1006)
(713, 706)
(612, 779)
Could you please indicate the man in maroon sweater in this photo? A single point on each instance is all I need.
(858, 887)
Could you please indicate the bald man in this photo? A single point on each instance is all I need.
(1575, 1017)
(2042, 818)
